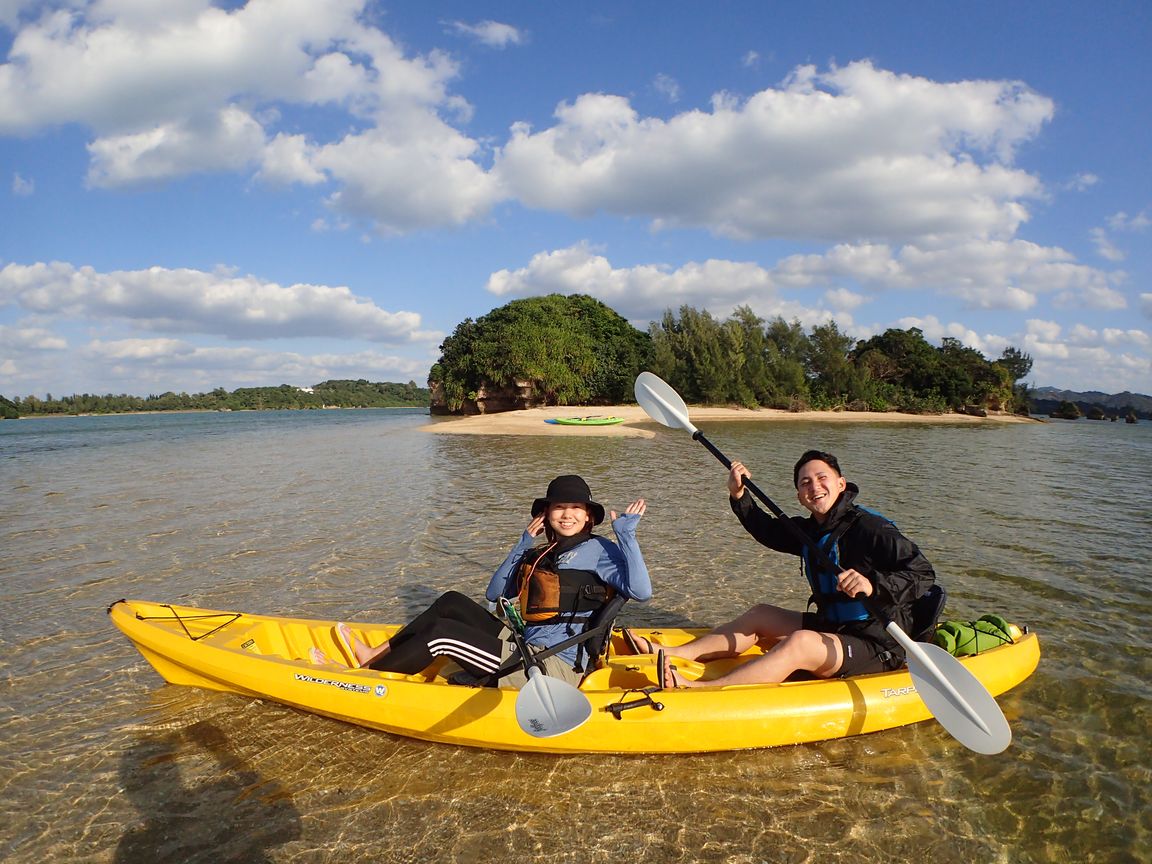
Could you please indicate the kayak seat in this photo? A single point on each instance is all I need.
(596, 636)
(926, 612)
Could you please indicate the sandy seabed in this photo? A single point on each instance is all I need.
(638, 424)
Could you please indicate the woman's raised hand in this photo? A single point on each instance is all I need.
(638, 507)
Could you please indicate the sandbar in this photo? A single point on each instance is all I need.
(638, 424)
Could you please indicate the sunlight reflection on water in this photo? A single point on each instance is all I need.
(360, 514)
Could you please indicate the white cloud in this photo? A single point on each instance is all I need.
(186, 87)
(19, 339)
(667, 86)
(1082, 357)
(750, 60)
(491, 33)
(22, 187)
(172, 364)
(227, 141)
(641, 292)
(982, 275)
(1082, 182)
(845, 301)
(853, 153)
(192, 301)
(1105, 248)
(404, 182)
(1123, 222)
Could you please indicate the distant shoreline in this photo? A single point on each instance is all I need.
(637, 424)
(220, 411)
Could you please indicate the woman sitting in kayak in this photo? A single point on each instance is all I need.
(556, 585)
(840, 638)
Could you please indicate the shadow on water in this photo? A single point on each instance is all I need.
(232, 814)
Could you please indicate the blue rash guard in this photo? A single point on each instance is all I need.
(618, 565)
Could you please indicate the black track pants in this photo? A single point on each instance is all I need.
(455, 626)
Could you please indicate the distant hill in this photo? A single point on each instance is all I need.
(328, 394)
(1044, 400)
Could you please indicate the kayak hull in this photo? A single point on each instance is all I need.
(265, 657)
(585, 421)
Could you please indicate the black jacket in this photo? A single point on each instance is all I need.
(869, 544)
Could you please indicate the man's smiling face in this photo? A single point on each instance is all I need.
(818, 485)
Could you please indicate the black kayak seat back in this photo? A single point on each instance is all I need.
(926, 612)
(597, 636)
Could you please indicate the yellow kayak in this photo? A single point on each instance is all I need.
(266, 657)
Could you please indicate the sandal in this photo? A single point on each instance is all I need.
(344, 637)
(633, 645)
(666, 670)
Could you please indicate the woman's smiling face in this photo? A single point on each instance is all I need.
(568, 520)
(818, 485)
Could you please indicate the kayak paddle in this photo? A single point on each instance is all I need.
(546, 706)
(956, 698)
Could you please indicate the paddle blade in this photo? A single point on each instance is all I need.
(546, 707)
(958, 700)
(661, 402)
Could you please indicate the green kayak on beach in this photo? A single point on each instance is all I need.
(585, 421)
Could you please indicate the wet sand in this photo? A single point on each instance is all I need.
(638, 424)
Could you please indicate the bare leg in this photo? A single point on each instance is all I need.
(363, 653)
(728, 640)
(822, 654)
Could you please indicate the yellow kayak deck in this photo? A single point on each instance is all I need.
(266, 657)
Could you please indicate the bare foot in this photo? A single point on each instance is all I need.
(359, 652)
(318, 657)
(666, 671)
(639, 644)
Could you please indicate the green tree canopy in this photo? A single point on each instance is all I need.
(571, 350)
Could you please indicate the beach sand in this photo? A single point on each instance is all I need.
(637, 424)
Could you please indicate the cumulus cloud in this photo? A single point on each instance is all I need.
(856, 152)
(1063, 354)
(21, 338)
(641, 292)
(162, 364)
(991, 275)
(193, 301)
(852, 154)
(491, 33)
(185, 87)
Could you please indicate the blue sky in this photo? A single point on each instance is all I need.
(197, 195)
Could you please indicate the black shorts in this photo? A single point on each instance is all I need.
(863, 655)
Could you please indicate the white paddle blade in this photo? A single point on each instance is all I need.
(547, 707)
(958, 700)
(661, 402)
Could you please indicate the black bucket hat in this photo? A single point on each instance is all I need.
(569, 489)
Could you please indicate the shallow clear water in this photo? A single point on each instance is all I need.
(360, 514)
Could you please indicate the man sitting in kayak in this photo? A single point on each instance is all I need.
(839, 639)
(558, 585)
